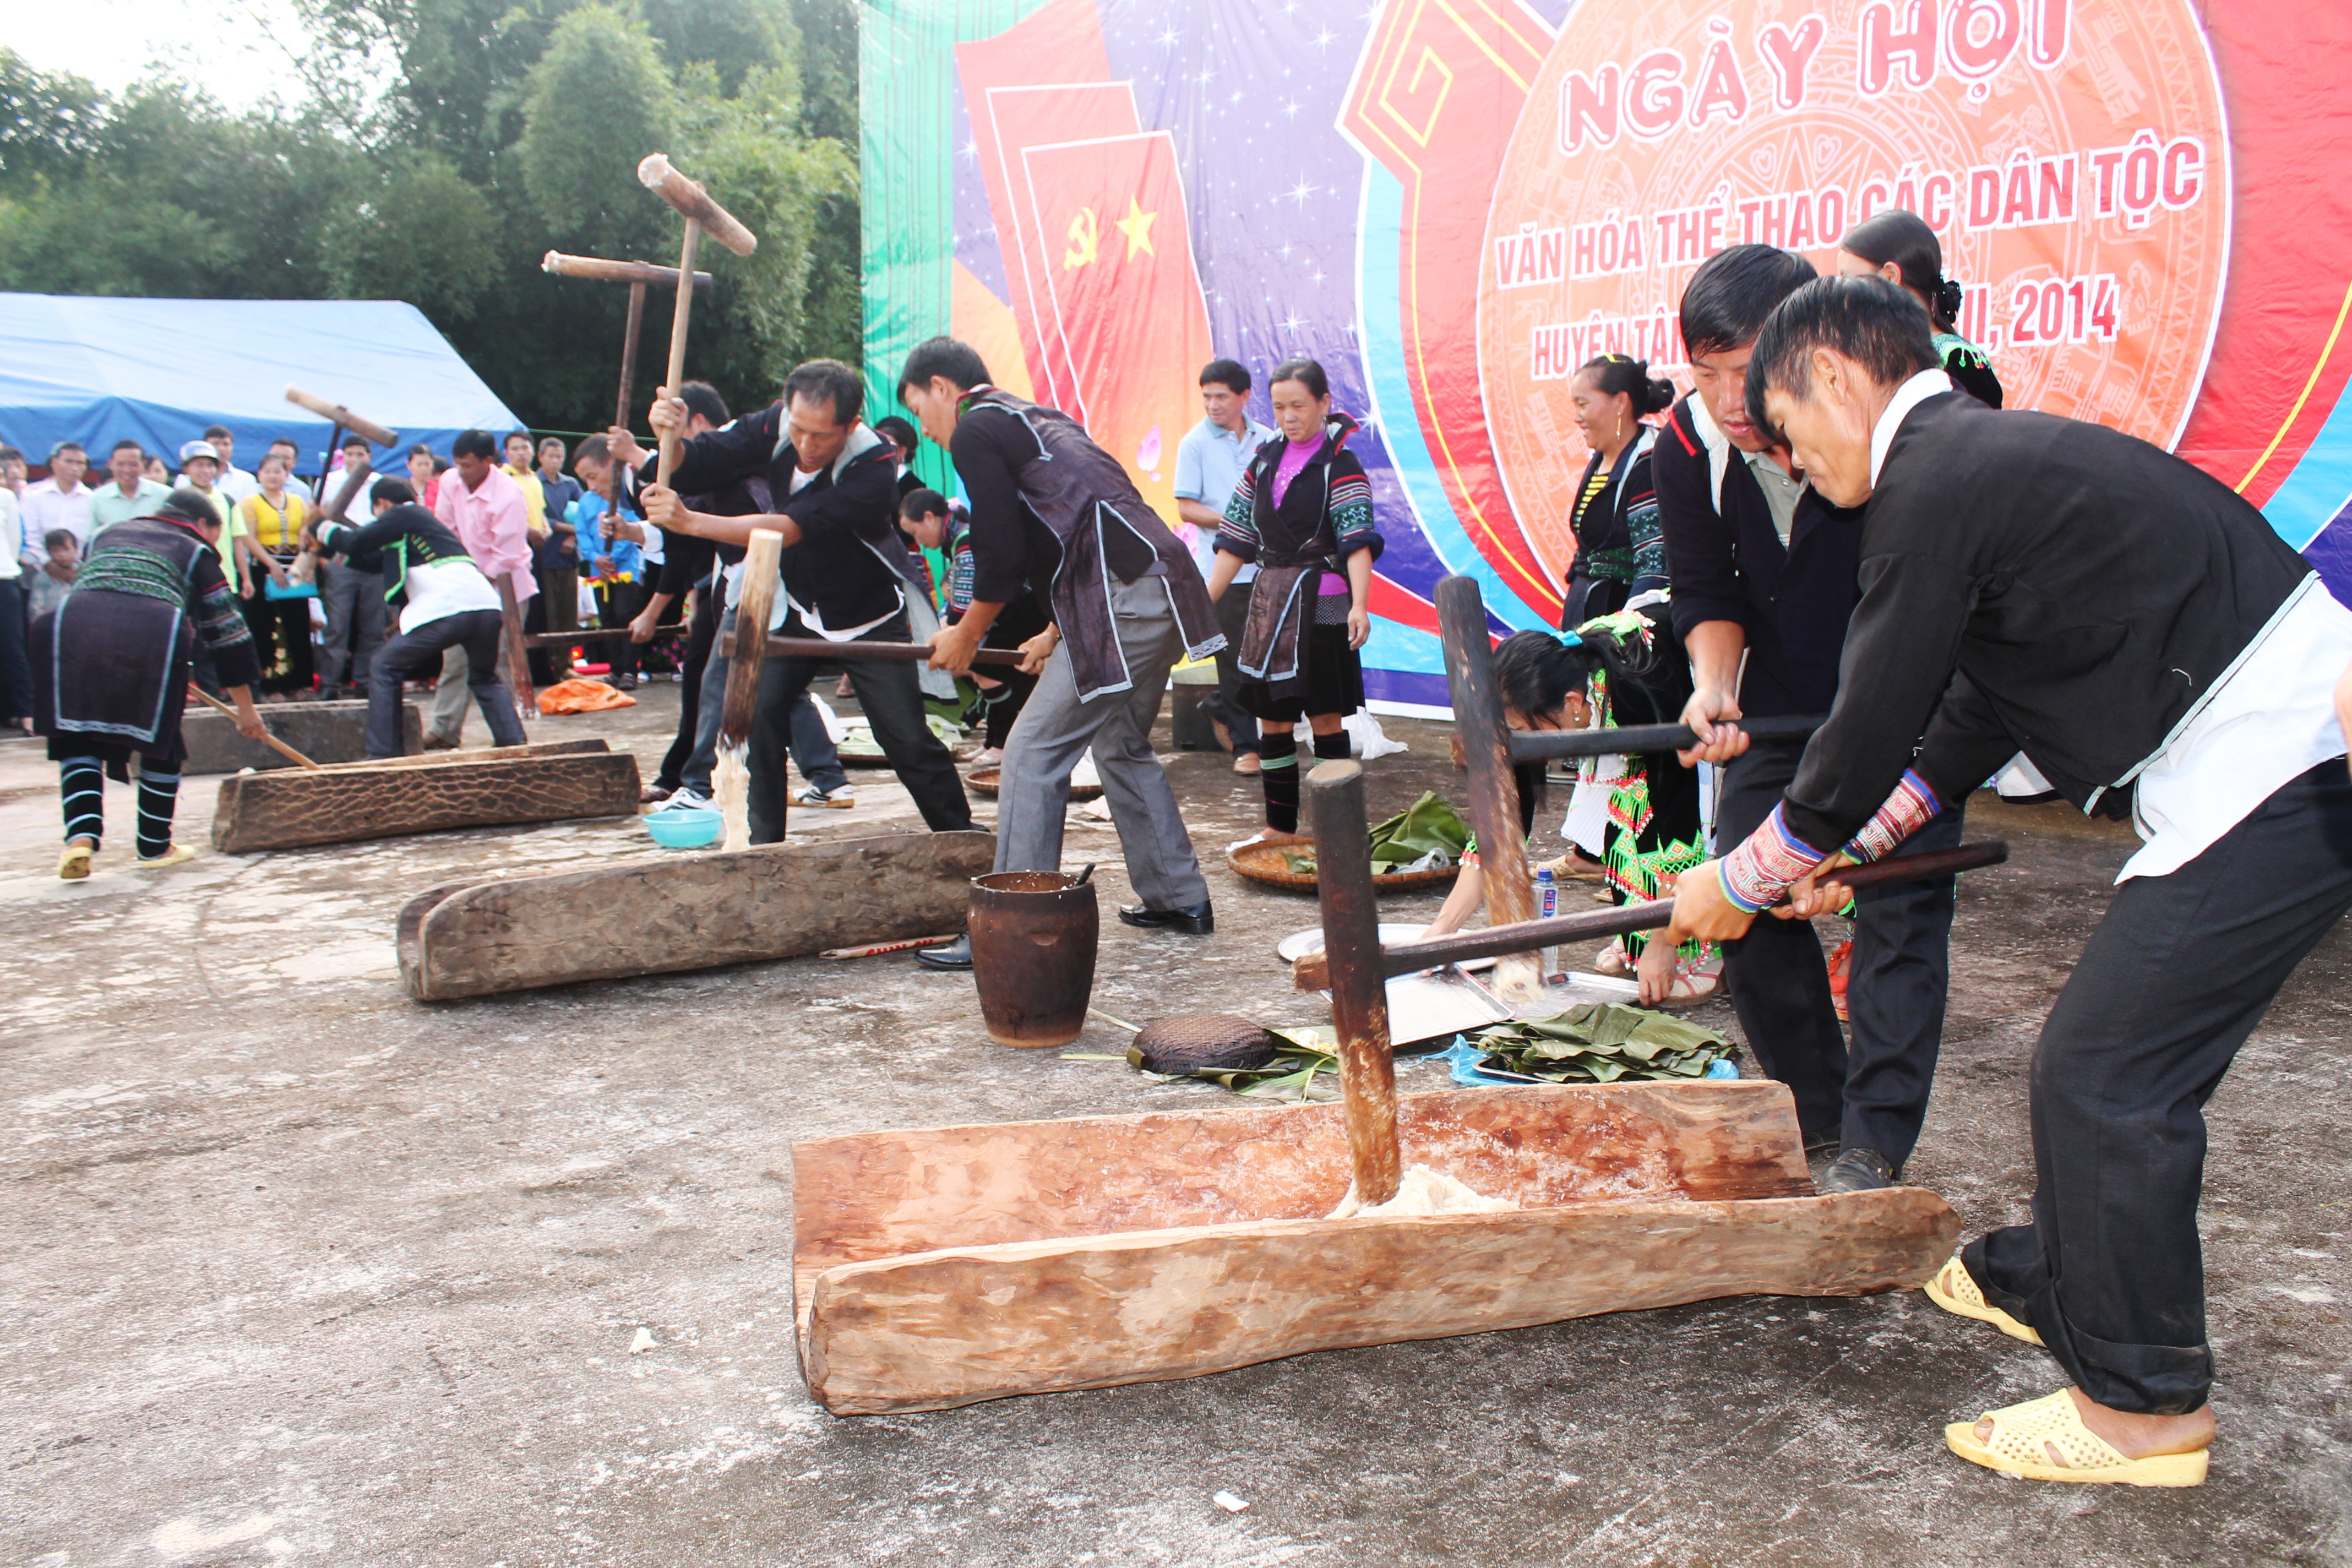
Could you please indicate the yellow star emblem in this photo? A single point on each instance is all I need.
(1137, 226)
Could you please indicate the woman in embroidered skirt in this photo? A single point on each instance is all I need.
(110, 668)
(1303, 513)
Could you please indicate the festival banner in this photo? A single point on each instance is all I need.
(1452, 205)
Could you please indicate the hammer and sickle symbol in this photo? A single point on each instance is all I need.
(1086, 237)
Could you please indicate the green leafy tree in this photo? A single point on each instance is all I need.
(505, 130)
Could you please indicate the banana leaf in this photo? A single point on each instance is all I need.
(1429, 824)
(1429, 829)
(1599, 1042)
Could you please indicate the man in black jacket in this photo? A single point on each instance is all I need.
(450, 604)
(1056, 517)
(2141, 633)
(1763, 570)
(832, 486)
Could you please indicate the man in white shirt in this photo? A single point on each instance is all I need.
(1209, 464)
(61, 500)
(234, 482)
(15, 672)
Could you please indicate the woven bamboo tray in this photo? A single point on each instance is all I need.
(1264, 863)
(988, 781)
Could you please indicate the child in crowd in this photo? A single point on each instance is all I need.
(612, 566)
(46, 588)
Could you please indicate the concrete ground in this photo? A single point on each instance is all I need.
(297, 1269)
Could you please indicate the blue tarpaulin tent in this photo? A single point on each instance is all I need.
(97, 370)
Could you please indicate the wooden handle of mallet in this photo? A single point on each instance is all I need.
(700, 212)
(354, 476)
(1360, 1000)
(340, 415)
(514, 642)
(1313, 972)
(1493, 802)
(596, 267)
(755, 600)
(272, 741)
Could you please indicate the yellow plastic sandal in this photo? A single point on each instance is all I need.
(1955, 1290)
(73, 866)
(2024, 1435)
(177, 854)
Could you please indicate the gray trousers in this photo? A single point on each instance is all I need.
(353, 601)
(451, 697)
(1056, 729)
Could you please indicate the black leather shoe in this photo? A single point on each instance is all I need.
(957, 954)
(1857, 1171)
(1195, 920)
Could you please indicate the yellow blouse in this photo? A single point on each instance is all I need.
(274, 530)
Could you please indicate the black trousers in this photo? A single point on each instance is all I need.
(701, 633)
(416, 655)
(2173, 980)
(1232, 619)
(1876, 1095)
(617, 604)
(15, 660)
(892, 700)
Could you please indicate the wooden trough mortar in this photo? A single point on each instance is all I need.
(662, 915)
(551, 781)
(940, 1267)
(323, 732)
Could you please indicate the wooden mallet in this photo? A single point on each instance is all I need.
(700, 213)
(755, 600)
(342, 419)
(636, 275)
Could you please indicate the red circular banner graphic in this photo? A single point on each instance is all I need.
(2072, 155)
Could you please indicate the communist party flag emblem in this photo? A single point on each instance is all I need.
(1123, 323)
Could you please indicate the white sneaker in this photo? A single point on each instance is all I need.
(841, 799)
(685, 800)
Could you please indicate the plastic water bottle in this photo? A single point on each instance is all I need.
(1547, 907)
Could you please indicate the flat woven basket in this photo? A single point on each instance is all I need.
(988, 781)
(1264, 863)
(1189, 1042)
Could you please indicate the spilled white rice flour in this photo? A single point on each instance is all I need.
(1422, 1190)
(731, 792)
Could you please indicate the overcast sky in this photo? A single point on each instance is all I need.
(226, 45)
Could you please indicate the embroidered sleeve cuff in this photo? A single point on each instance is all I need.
(1764, 866)
(1911, 808)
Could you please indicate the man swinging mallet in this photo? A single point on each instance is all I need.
(2140, 631)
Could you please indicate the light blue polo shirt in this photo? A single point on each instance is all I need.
(1210, 461)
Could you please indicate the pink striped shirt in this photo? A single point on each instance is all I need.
(494, 525)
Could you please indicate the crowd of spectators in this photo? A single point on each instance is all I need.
(316, 617)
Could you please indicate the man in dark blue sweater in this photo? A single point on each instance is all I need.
(1764, 581)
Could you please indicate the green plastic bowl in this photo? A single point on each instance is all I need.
(687, 827)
